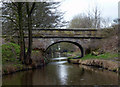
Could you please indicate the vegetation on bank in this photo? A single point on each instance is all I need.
(11, 61)
(10, 58)
(101, 56)
(110, 56)
(10, 52)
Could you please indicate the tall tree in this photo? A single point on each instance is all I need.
(22, 42)
(96, 15)
(29, 21)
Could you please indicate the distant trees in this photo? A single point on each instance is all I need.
(81, 21)
(95, 15)
(92, 19)
(29, 15)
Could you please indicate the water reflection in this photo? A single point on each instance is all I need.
(60, 58)
(62, 73)
(56, 55)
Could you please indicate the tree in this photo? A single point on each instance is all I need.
(81, 21)
(29, 21)
(96, 15)
(92, 19)
(14, 20)
(19, 21)
(46, 15)
(22, 42)
(29, 15)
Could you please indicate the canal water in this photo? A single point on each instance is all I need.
(62, 73)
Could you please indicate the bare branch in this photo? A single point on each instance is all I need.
(10, 19)
(32, 8)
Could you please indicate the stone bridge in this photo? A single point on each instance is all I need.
(45, 38)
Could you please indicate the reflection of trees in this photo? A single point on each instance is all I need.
(27, 79)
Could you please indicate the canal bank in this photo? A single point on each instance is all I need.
(13, 69)
(110, 65)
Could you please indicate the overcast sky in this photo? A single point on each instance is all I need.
(109, 8)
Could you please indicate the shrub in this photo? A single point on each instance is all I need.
(10, 52)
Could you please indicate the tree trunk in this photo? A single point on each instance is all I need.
(28, 58)
(21, 39)
(29, 19)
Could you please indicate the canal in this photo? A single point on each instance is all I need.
(62, 73)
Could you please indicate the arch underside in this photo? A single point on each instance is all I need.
(75, 43)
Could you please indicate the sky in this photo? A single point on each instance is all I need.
(108, 8)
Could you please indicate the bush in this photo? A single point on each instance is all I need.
(10, 52)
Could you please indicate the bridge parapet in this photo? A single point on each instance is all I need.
(67, 33)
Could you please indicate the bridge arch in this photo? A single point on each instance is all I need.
(75, 43)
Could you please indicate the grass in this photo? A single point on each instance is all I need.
(102, 56)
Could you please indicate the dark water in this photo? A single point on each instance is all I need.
(62, 73)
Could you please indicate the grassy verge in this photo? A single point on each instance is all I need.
(106, 56)
(102, 56)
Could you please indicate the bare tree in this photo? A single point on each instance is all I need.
(92, 19)
(95, 15)
(105, 22)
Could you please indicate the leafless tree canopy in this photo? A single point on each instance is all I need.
(92, 19)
